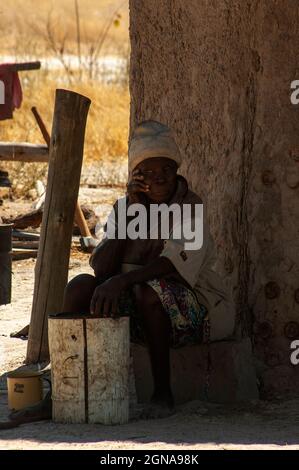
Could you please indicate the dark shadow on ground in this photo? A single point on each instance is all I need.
(262, 423)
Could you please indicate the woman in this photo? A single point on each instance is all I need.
(167, 290)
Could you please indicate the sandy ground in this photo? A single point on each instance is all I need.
(196, 425)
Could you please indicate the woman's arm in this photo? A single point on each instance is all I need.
(158, 268)
(105, 298)
(106, 258)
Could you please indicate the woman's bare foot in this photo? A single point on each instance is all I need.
(161, 406)
(163, 397)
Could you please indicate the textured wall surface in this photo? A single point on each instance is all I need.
(219, 73)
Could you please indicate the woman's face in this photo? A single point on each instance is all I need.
(160, 174)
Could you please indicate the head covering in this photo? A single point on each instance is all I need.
(152, 139)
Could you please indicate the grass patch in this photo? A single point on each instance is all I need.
(103, 28)
(106, 136)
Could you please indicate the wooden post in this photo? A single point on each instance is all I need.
(51, 271)
(79, 216)
(90, 360)
(5, 263)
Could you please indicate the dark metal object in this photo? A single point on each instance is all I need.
(4, 179)
(5, 238)
(5, 263)
(88, 243)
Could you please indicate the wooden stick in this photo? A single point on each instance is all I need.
(19, 67)
(51, 271)
(81, 221)
(41, 125)
(23, 152)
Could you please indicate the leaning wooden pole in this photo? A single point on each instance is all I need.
(51, 271)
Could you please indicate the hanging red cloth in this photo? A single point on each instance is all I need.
(10, 90)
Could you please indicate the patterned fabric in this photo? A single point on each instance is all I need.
(186, 314)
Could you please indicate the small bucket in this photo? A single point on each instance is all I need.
(25, 388)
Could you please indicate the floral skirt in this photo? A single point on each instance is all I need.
(186, 314)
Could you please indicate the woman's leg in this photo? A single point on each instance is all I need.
(157, 330)
(78, 294)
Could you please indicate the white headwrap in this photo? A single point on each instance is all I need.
(152, 139)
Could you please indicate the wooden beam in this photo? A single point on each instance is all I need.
(23, 152)
(18, 254)
(25, 235)
(19, 67)
(31, 219)
(51, 271)
(25, 245)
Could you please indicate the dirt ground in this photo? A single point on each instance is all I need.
(196, 425)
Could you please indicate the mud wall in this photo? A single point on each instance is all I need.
(219, 74)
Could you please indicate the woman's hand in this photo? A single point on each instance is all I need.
(136, 186)
(105, 298)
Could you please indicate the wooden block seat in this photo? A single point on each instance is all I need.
(231, 379)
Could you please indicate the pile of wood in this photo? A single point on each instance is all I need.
(25, 243)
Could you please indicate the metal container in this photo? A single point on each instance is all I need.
(24, 388)
(5, 263)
